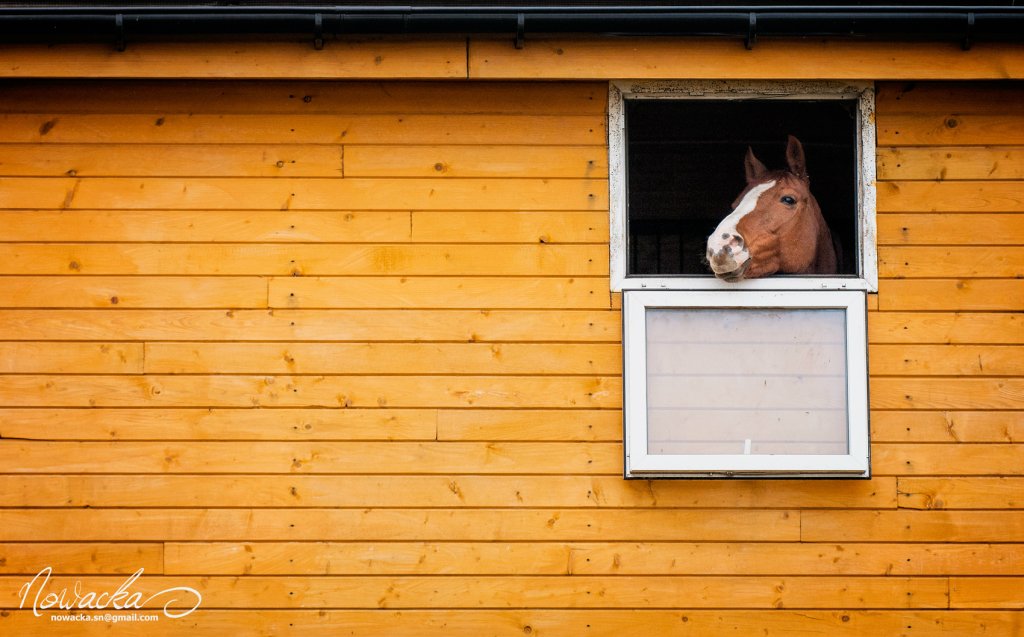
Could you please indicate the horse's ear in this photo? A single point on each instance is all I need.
(795, 158)
(753, 167)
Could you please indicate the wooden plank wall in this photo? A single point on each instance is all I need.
(342, 357)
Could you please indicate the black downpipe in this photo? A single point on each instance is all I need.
(121, 25)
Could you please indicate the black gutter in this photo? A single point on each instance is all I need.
(67, 23)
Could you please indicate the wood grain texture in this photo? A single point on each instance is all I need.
(183, 160)
(912, 526)
(302, 194)
(950, 196)
(70, 558)
(961, 493)
(810, 59)
(439, 292)
(124, 457)
(453, 489)
(417, 59)
(565, 623)
(338, 128)
(951, 229)
(596, 558)
(216, 226)
(562, 392)
(946, 360)
(1005, 295)
(293, 97)
(908, 262)
(987, 592)
(946, 327)
(949, 129)
(383, 358)
(132, 292)
(950, 97)
(475, 525)
(348, 325)
(946, 393)
(219, 424)
(578, 591)
(364, 355)
(580, 162)
(305, 260)
(951, 162)
(947, 426)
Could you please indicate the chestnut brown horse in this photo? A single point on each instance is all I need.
(775, 225)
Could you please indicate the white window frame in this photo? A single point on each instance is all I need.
(641, 464)
(863, 93)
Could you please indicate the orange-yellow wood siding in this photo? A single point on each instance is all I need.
(342, 356)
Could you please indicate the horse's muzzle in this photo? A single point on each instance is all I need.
(728, 256)
(734, 275)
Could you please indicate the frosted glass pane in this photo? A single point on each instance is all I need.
(746, 381)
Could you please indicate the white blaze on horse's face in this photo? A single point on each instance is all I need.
(727, 253)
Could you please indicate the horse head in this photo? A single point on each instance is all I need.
(775, 225)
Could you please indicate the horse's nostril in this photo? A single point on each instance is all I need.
(739, 239)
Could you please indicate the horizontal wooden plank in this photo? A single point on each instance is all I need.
(315, 325)
(510, 227)
(219, 424)
(946, 393)
(327, 226)
(951, 162)
(70, 358)
(357, 59)
(335, 128)
(217, 226)
(718, 59)
(381, 358)
(947, 426)
(584, 162)
(200, 193)
(605, 558)
(310, 457)
(528, 424)
(961, 493)
(159, 97)
(555, 623)
(898, 262)
(963, 459)
(951, 229)
(949, 97)
(296, 260)
(951, 196)
(753, 558)
(168, 160)
(949, 129)
(945, 327)
(367, 559)
(461, 591)
(987, 592)
(912, 526)
(132, 292)
(946, 360)
(71, 558)
(951, 294)
(439, 292)
(487, 491)
(497, 525)
(576, 392)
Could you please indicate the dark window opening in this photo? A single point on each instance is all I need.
(685, 168)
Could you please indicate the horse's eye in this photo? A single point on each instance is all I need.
(789, 201)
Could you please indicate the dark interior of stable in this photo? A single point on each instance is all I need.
(685, 168)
